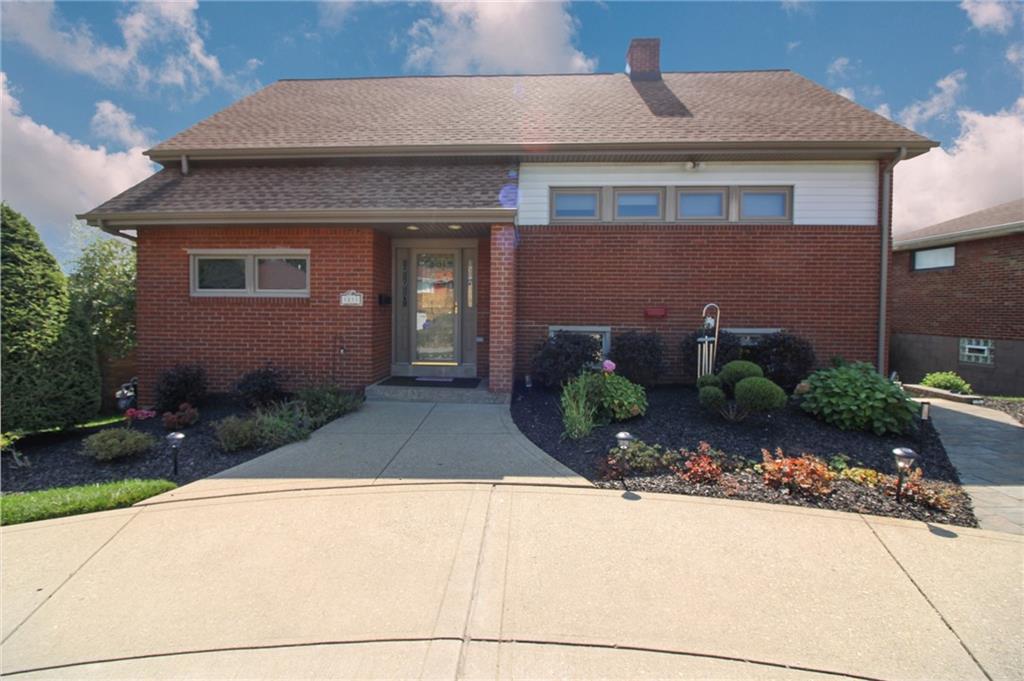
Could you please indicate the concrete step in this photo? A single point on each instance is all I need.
(433, 393)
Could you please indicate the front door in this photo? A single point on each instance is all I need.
(435, 317)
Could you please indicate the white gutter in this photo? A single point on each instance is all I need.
(883, 283)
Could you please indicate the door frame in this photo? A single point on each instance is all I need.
(404, 306)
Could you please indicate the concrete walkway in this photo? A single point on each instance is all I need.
(987, 448)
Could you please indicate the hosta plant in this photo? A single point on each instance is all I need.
(946, 380)
(856, 397)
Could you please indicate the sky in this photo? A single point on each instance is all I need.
(87, 86)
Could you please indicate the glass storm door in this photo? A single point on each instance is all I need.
(435, 327)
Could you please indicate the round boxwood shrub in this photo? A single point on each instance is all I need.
(711, 398)
(261, 387)
(183, 383)
(729, 349)
(638, 356)
(946, 380)
(115, 443)
(709, 380)
(856, 397)
(735, 371)
(562, 357)
(759, 394)
(785, 358)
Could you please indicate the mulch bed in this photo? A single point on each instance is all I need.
(56, 459)
(675, 420)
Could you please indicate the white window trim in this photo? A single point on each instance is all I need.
(250, 255)
(605, 331)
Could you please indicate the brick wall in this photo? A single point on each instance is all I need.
(503, 307)
(820, 282)
(230, 336)
(982, 296)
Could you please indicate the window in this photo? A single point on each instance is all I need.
(575, 204)
(253, 273)
(765, 204)
(977, 351)
(934, 258)
(702, 204)
(602, 333)
(643, 204)
(749, 337)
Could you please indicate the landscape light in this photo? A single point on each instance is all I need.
(174, 440)
(624, 438)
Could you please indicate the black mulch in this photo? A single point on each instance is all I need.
(675, 420)
(55, 459)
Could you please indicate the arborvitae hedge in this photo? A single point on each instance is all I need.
(50, 376)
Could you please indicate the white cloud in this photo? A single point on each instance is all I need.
(884, 109)
(984, 167)
(333, 13)
(847, 92)
(1015, 55)
(111, 122)
(467, 37)
(166, 33)
(939, 105)
(50, 177)
(989, 15)
(839, 68)
(792, 45)
(795, 6)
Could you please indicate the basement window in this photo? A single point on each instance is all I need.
(253, 273)
(977, 351)
(602, 333)
(934, 258)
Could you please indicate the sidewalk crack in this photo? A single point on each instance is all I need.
(405, 444)
(460, 667)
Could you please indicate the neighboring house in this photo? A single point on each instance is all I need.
(958, 300)
(347, 230)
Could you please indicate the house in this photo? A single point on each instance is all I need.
(349, 230)
(958, 300)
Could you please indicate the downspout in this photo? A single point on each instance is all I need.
(883, 284)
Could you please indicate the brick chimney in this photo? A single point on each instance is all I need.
(643, 59)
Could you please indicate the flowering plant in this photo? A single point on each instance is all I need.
(134, 414)
(608, 366)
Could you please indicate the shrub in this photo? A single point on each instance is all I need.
(638, 356)
(184, 417)
(235, 432)
(856, 397)
(924, 493)
(115, 443)
(326, 403)
(729, 349)
(785, 358)
(759, 395)
(182, 383)
(805, 474)
(712, 398)
(867, 477)
(946, 380)
(622, 399)
(709, 381)
(733, 412)
(699, 469)
(579, 408)
(564, 356)
(640, 456)
(103, 283)
(736, 370)
(260, 387)
(48, 359)
(282, 423)
(839, 463)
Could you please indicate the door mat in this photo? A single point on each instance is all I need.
(431, 382)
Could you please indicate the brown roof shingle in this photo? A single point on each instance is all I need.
(532, 112)
(1003, 214)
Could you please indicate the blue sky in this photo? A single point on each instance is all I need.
(106, 79)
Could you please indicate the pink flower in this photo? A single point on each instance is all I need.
(608, 366)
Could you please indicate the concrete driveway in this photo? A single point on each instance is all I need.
(521, 572)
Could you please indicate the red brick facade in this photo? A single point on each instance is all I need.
(504, 263)
(820, 282)
(302, 336)
(982, 296)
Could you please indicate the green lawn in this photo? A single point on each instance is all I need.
(23, 507)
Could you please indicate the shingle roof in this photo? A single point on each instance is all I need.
(533, 112)
(1003, 215)
(319, 187)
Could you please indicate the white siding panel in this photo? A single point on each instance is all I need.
(824, 193)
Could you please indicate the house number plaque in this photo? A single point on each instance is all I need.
(352, 298)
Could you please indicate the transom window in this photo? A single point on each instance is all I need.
(252, 273)
(765, 203)
(934, 258)
(702, 204)
(575, 204)
(644, 204)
